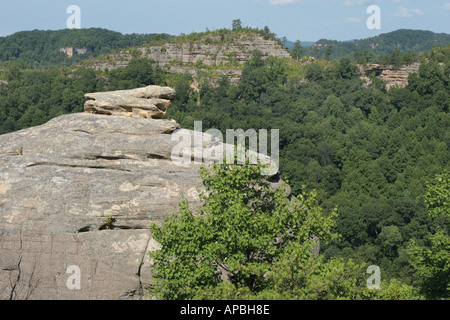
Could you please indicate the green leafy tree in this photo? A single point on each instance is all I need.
(347, 70)
(431, 260)
(395, 58)
(249, 241)
(236, 24)
(297, 51)
(327, 54)
(390, 238)
(429, 80)
(432, 265)
(240, 234)
(437, 197)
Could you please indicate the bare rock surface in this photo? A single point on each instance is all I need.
(393, 76)
(150, 102)
(82, 190)
(225, 53)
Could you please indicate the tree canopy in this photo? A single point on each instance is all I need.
(378, 155)
(251, 241)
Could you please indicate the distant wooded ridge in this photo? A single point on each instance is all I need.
(43, 48)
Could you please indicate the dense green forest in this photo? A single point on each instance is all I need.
(414, 41)
(366, 150)
(246, 242)
(41, 48)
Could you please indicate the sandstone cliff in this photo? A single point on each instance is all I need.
(60, 183)
(151, 102)
(219, 54)
(392, 76)
(82, 190)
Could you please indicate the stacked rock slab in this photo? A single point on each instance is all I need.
(82, 190)
(150, 102)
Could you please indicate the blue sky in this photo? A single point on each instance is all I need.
(306, 20)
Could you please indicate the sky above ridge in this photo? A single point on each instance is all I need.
(305, 20)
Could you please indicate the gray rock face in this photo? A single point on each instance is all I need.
(150, 102)
(82, 190)
(210, 50)
(61, 185)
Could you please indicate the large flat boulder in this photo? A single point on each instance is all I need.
(79, 193)
(83, 190)
(150, 102)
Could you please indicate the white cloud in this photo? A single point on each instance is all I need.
(353, 19)
(362, 2)
(282, 2)
(447, 6)
(408, 13)
(356, 2)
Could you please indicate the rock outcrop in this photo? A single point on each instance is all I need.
(150, 102)
(72, 51)
(223, 54)
(77, 197)
(392, 76)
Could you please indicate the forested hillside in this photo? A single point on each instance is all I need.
(42, 48)
(367, 150)
(414, 41)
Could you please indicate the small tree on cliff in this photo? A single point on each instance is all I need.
(236, 24)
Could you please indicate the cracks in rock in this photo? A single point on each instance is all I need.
(86, 229)
(169, 131)
(110, 227)
(13, 153)
(136, 157)
(112, 158)
(17, 268)
(146, 134)
(140, 291)
(102, 157)
(31, 287)
(65, 165)
(157, 157)
(139, 273)
(95, 157)
(125, 157)
(128, 228)
(82, 131)
(14, 285)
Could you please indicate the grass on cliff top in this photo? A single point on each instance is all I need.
(219, 36)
